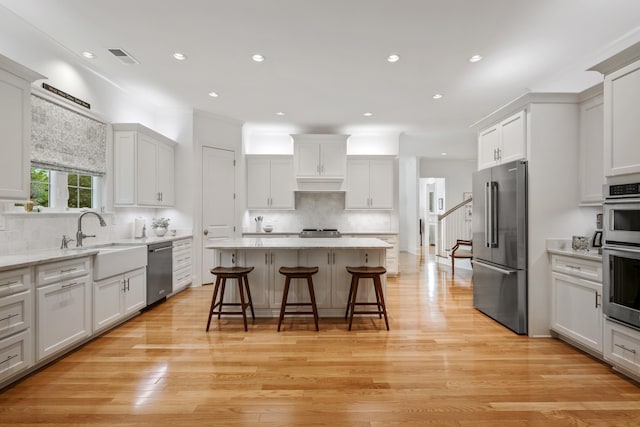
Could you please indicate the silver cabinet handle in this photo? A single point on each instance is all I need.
(68, 285)
(9, 358)
(597, 300)
(12, 282)
(266, 258)
(67, 270)
(575, 267)
(625, 348)
(9, 317)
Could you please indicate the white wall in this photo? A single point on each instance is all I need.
(457, 175)
(408, 205)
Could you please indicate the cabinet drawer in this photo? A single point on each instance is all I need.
(14, 281)
(15, 313)
(622, 346)
(577, 267)
(181, 261)
(16, 354)
(182, 277)
(180, 245)
(62, 270)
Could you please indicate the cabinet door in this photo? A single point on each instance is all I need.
(321, 258)
(513, 134)
(281, 180)
(147, 162)
(577, 309)
(277, 259)
(16, 353)
(357, 196)
(307, 158)
(259, 277)
(64, 315)
(333, 161)
(258, 183)
(488, 144)
(107, 308)
(124, 164)
(165, 175)
(135, 294)
(15, 128)
(381, 184)
(341, 279)
(622, 127)
(591, 174)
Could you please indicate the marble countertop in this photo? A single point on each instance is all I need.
(291, 233)
(298, 243)
(563, 247)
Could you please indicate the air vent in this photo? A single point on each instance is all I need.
(123, 56)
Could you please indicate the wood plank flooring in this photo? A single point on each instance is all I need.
(442, 364)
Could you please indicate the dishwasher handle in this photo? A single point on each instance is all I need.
(166, 248)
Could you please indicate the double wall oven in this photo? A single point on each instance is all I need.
(621, 253)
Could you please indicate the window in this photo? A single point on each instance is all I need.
(40, 183)
(80, 190)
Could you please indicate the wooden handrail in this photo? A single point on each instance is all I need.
(455, 208)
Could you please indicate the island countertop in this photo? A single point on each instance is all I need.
(300, 243)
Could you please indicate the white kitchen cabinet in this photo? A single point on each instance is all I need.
(370, 184)
(64, 315)
(15, 128)
(270, 182)
(503, 142)
(182, 263)
(259, 278)
(576, 301)
(320, 155)
(115, 298)
(622, 347)
(16, 354)
(143, 167)
(591, 173)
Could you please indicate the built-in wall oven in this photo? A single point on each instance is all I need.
(621, 253)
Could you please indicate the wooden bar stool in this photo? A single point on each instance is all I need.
(373, 273)
(298, 273)
(222, 274)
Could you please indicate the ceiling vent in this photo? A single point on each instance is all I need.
(123, 56)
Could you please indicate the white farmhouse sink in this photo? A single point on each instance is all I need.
(116, 259)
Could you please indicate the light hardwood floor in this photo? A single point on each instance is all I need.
(442, 364)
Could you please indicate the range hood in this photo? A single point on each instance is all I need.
(319, 184)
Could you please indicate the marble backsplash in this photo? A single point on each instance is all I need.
(323, 210)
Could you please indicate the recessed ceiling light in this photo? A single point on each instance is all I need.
(180, 56)
(367, 114)
(213, 94)
(475, 58)
(393, 58)
(437, 96)
(88, 55)
(279, 113)
(257, 57)
(443, 154)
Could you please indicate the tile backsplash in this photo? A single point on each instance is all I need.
(323, 210)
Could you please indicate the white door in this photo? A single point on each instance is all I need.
(218, 202)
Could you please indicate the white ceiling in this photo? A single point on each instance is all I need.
(326, 59)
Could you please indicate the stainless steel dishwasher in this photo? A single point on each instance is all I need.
(159, 271)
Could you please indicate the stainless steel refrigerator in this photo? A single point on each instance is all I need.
(500, 244)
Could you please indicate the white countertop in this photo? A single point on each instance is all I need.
(563, 247)
(300, 243)
(295, 233)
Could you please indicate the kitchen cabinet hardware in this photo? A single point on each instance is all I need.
(9, 283)
(233, 258)
(67, 270)
(9, 317)
(266, 258)
(9, 358)
(631, 350)
(575, 267)
(205, 231)
(328, 258)
(68, 285)
(597, 300)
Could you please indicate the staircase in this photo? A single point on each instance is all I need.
(454, 226)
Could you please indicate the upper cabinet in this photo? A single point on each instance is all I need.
(270, 182)
(143, 166)
(591, 173)
(318, 156)
(503, 142)
(370, 183)
(15, 128)
(621, 108)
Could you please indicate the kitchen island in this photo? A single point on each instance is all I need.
(330, 255)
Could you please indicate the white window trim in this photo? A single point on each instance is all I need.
(59, 194)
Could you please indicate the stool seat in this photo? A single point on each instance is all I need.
(222, 274)
(298, 273)
(365, 272)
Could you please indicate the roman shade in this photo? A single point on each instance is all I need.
(64, 140)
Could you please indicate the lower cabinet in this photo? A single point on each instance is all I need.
(182, 264)
(64, 315)
(622, 347)
(577, 310)
(16, 353)
(115, 298)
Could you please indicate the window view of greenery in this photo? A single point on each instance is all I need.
(80, 190)
(40, 187)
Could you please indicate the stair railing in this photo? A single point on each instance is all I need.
(454, 224)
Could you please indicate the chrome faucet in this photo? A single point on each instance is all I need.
(79, 234)
(65, 242)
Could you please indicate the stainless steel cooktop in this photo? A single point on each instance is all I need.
(320, 232)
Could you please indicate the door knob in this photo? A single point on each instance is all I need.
(205, 232)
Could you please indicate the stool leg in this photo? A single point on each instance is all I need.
(353, 300)
(353, 279)
(312, 296)
(213, 301)
(224, 284)
(378, 285)
(246, 284)
(375, 288)
(243, 306)
(285, 295)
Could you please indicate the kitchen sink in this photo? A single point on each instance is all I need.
(113, 259)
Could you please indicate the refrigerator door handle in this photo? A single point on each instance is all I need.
(494, 214)
(487, 214)
(493, 267)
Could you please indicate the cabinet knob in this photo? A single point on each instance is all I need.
(205, 232)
